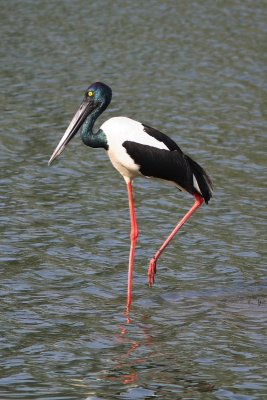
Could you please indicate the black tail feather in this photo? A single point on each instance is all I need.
(202, 178)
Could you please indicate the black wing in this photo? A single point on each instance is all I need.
(161, 137)
(173, 166)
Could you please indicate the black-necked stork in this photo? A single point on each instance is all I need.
(136, 149)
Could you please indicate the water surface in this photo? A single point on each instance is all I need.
(197, 71)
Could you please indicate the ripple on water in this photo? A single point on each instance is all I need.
(198, 70)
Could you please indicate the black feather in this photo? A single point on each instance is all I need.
(161, 137)
(203, 180)
(173, 166)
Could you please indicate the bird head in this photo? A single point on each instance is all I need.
(97, 97)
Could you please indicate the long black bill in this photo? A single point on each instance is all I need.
(84, 110)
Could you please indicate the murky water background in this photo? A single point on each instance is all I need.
(197, 71)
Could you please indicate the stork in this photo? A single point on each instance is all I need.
(136, 149)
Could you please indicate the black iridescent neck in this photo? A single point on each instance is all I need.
(89, 137)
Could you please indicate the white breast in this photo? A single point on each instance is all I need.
(119, 130)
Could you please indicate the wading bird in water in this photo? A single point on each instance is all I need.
(136, 149)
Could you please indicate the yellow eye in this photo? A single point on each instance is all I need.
(90, 93)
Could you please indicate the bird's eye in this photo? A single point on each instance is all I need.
(90, 93)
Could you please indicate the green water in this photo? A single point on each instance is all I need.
(196, 71)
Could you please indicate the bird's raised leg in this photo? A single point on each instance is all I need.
(133, 236)
(152, 266)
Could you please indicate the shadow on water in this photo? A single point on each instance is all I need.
(146, 369)
(153, 363)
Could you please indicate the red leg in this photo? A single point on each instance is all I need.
(133, 236)
(152, 266)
